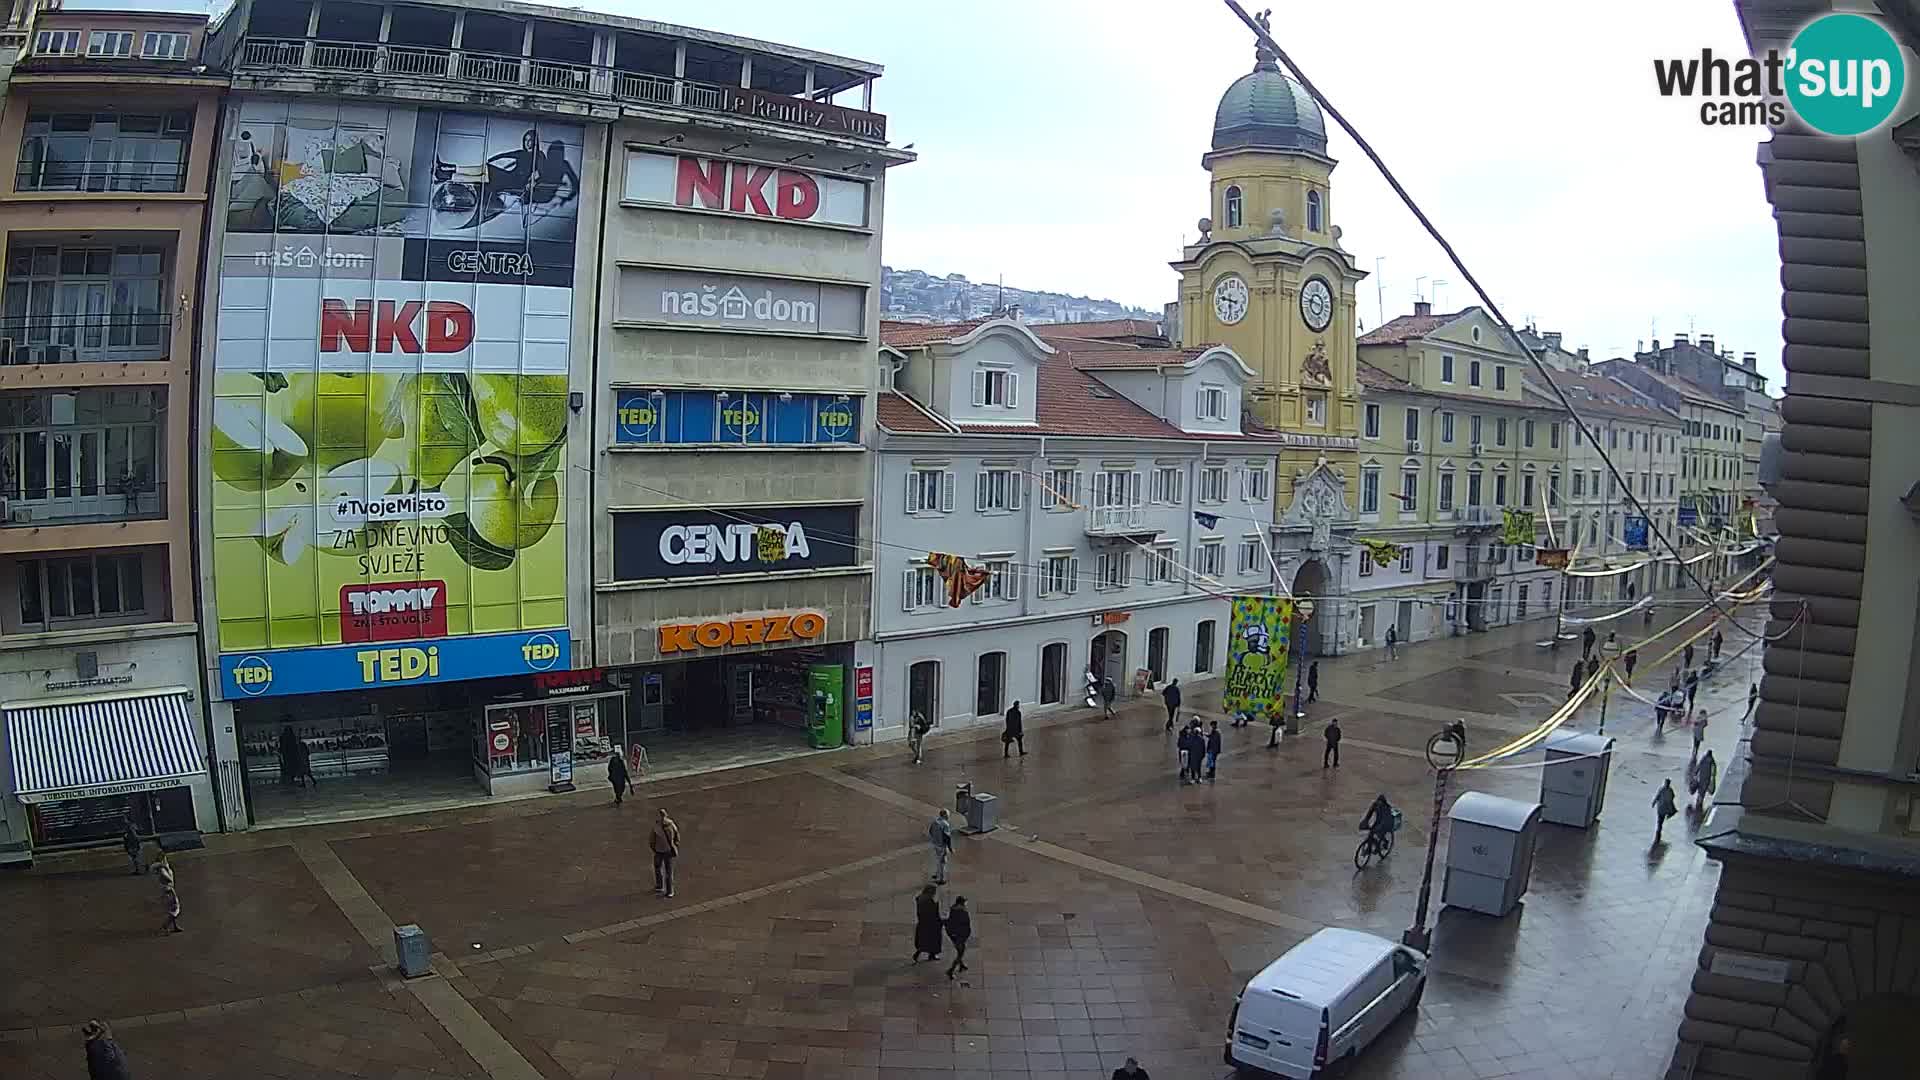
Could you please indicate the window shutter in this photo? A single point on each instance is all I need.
(979, 386)
(1073, 576)
(908, 590)
(946, 490)
(1014, 573)
(1016, 484)
(913, 492)
(1013, 389)
(980, 594)
(1137, 492)
(980, 489)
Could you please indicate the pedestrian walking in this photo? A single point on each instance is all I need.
(1213, 748)
(1753, 697)
(1192, 745)
(130, 842)
(1686, 658)
(1332, 754)
(1593, 668)
(1393, 643)
(1586, 643)
(105, 1059)
(940, 835)
(1663, 808)
(1693, 688)
(1718, 642)
(1579, 676)
(1130, 1071)
(1016, 732)
(1313, 681)
(926, 924)
(289, 755)
(665, 842)
(1699, 730)
(618, 777)
(1273, 736)
(303, 769)
(917, 727)
(959, 931)
(1171, 695)
(1613, 644)
(1662, 708)
(1632, 658)
(1647, 620)
(1107, 693)
(169, 896)
(1706, 777)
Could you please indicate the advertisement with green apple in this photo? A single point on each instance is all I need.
(388, 432)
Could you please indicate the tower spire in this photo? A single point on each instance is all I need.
(1264, 58)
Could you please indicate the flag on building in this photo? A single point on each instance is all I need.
(1208, 521)
(1383, 552)
(1518, 527)
(962, 580)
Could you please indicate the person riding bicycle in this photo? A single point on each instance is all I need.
(1381, 819)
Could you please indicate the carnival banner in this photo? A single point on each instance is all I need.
(1552, 558)
(1518, 527)
(1383, 552)
(1257, 652)
(1635, 532)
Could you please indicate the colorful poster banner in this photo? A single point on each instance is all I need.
(1517, 527)
(390, 415)
(1552, 558)
(1257, 652)
(1635, 531)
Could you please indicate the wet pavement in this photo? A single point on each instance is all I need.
(1116, 913)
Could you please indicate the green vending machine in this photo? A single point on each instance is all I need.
(826, 687)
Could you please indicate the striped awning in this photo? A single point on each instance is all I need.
(101, 746)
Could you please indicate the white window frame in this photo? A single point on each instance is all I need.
(922, 589)
(1443, 499)
(1499, 487)
(920, 479)
(1114, 570)
(1060, 574)
(1251, 559)
(1169, 485)
(996, 387)
(1370, 489)
(1474, 430)
(110, 44)
(1210, 558)
(1162, 567)
(1316, 408)
(1476, 487)
(1063, 489)
(1499, 431)
(1446, 368)
(1499, 376)
(1255, 485)
(996, 489)
(57, 43)
(1473, 372)
(1442, 556)
(1212, 403)
(164, 45)
(1366, 564)
(1446, 426)
(1409, 491)
(1579, 483)
(1406, 559)
(1411, 424)
(1372, 420)
(1003, 579)
(1213, 484)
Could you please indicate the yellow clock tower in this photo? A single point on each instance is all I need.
(1269, 278)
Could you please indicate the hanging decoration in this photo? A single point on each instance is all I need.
(1257, 653)
(1207, 521)
(1383, 552)
(1553, 558)
(1635, 532)
(1518, 527)
(962, 580)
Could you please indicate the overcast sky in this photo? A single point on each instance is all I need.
(1060, 145)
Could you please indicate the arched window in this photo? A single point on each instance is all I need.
(1313, 211)
(1234, 209)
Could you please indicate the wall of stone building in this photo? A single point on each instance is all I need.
(1788, 955)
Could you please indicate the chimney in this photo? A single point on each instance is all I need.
(1584, 358)
(1706, 343)
(1678, 340)
(1656, 344)
(1423, 307)
(1749, 361)
(1552, 339)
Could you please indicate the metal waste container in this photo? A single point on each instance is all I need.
(413, 951)
(983, 813)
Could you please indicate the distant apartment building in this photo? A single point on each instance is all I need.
(1598, 521)
(109, 121)
(1737, 382)
(1108, 493)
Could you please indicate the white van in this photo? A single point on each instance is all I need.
(1322, 1002)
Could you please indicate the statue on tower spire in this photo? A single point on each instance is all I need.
(1263, 57)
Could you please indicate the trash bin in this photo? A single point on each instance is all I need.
(983, 813)
(962, 798)
(413, 951)
(1489, 852)
(1573, 785)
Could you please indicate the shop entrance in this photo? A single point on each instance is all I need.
(923, 690)
(729, 711)
(1108, 657)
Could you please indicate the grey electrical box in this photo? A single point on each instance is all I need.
(983, 813)
(413, 951)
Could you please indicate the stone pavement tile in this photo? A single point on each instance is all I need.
(86, 943)
(517, 880)
(360, 1032)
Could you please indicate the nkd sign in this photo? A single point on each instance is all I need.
(733, 302)
(748, 188)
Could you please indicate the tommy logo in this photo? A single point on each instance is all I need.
(399, 611)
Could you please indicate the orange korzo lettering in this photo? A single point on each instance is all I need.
(676, 638)
(748, 631)
(778, 628)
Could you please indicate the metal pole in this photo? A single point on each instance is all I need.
(1418, 936)
(1606, 687)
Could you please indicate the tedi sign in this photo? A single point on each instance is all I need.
(1843, 75)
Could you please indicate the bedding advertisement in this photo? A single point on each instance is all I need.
(390, 415)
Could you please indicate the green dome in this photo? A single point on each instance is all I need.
(1266, 110)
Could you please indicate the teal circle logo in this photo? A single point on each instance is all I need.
(1845, 74)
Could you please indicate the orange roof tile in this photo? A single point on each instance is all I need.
(1095, 357)
(1099, 329)
(897, 413)
(1407, 327)
(906, 335)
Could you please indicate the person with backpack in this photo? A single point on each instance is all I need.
(105, 1059)
(917, 728)
(1393, 643)
(1107, 693)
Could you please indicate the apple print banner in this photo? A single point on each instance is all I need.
(389, 423)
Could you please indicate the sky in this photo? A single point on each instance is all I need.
(1060, 145)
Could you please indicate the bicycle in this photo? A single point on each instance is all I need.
(1373, 845)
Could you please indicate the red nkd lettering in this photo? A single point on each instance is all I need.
(748, 194)
(701, 184)
(797, 197)
(388, 326)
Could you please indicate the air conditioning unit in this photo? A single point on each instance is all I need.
(1413, 446)
(18, 515)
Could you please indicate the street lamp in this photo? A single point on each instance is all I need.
(1445, 751)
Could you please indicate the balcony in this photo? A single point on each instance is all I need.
(82, 339)
(1478, 517)
(1473, 566)
(73, 501)
(95, 177)
(598, 82)
(1114, 522)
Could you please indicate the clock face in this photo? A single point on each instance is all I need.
(1316, 304)
(1230, 299)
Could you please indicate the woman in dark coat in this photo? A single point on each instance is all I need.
(617, 775)
(105, 1060)
(289, 756)
(926, 925)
